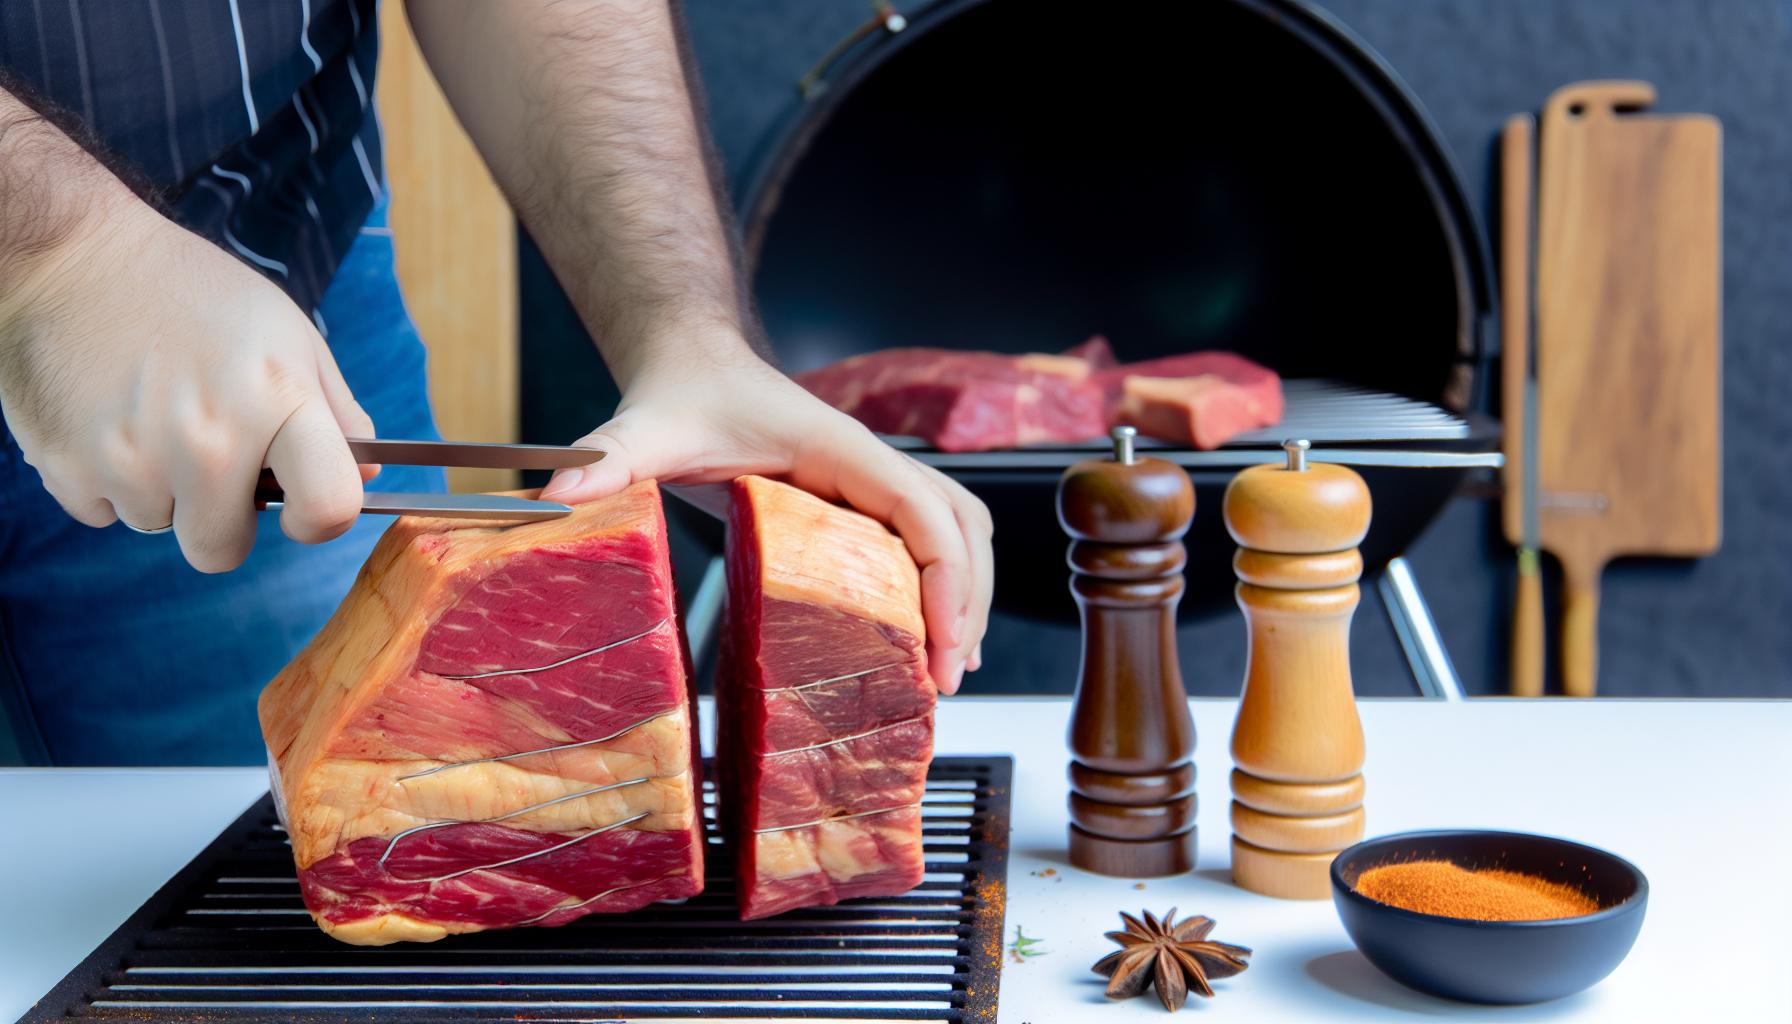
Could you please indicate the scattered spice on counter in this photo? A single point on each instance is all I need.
(1024, 946)
(1045, 872)
(990, 905)
(1449, 890)
(1138, 885)
(1175, 957)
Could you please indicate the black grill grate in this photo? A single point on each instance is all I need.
(228, 939)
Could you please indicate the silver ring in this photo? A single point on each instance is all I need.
(146, 533)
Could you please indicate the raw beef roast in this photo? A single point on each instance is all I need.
(824, 710)
(495, 729)
(976, 401)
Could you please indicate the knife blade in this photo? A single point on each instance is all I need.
(470, 454)
(461, 506)
(401, 452)
(443, 506)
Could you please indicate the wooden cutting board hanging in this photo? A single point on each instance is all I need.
(1628, 327)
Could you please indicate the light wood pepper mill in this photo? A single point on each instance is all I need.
(1132, 783)
(1298, 744)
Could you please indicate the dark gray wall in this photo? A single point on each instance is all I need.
(1713, 627)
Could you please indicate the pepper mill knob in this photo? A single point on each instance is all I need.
(1132, 780)
(1298, 744)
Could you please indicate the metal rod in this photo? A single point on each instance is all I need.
(1417, 632)
(1124, 438)
(1297, 454)
(1223, 458)
(704, 616)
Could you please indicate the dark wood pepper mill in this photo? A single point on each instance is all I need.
(1132, 783)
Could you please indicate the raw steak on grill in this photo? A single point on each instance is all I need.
(976, 401)
(495, 729)
(966, 401)
(1201, 399)
(824, 712)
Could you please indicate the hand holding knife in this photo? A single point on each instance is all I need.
(379, 451)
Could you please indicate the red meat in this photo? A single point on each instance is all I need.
(1202, 399)
(968, 401)
(977, 401)
(495, 729)
(824, 710)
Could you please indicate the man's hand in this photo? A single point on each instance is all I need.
(708, 423)
(149, 377)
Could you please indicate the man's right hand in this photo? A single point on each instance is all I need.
(149, 377)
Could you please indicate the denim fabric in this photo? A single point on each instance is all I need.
(124, 654)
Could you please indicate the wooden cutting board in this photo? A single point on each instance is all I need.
(1628, 287)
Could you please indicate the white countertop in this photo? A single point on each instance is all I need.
(1697, 794)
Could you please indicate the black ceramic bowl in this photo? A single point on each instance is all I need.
(1494, 961)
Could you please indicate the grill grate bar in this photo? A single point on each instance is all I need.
(228, 938)
(526, 975)
(506, 1006)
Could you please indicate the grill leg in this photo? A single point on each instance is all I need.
(1413, 626)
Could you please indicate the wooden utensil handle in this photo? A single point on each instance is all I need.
(1516, 168)
(1580, 637)
(1527, 629)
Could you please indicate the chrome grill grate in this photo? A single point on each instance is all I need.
(228, 939)
(1327, 412)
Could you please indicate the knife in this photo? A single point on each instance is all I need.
(470, 454)
(480, 455)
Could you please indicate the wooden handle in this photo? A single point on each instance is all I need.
(1580, 636)
(1516, 171)
(1527, 629)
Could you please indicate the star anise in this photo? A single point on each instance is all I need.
(1176, 956)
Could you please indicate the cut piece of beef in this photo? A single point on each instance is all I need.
(968, 401)
(1201, 399)
(495, 729)
(824, 712)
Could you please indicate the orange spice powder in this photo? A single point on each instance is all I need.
(1440, 887)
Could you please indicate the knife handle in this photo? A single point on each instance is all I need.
(267, 490)
(1527, 628)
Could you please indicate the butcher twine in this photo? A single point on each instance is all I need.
(503, 817)
(564, 661)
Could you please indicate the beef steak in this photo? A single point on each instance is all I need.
(495, 729)
(824, 709)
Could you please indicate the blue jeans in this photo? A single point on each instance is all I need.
(114, 651)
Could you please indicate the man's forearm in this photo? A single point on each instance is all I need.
(49, 185)
(584, 115)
